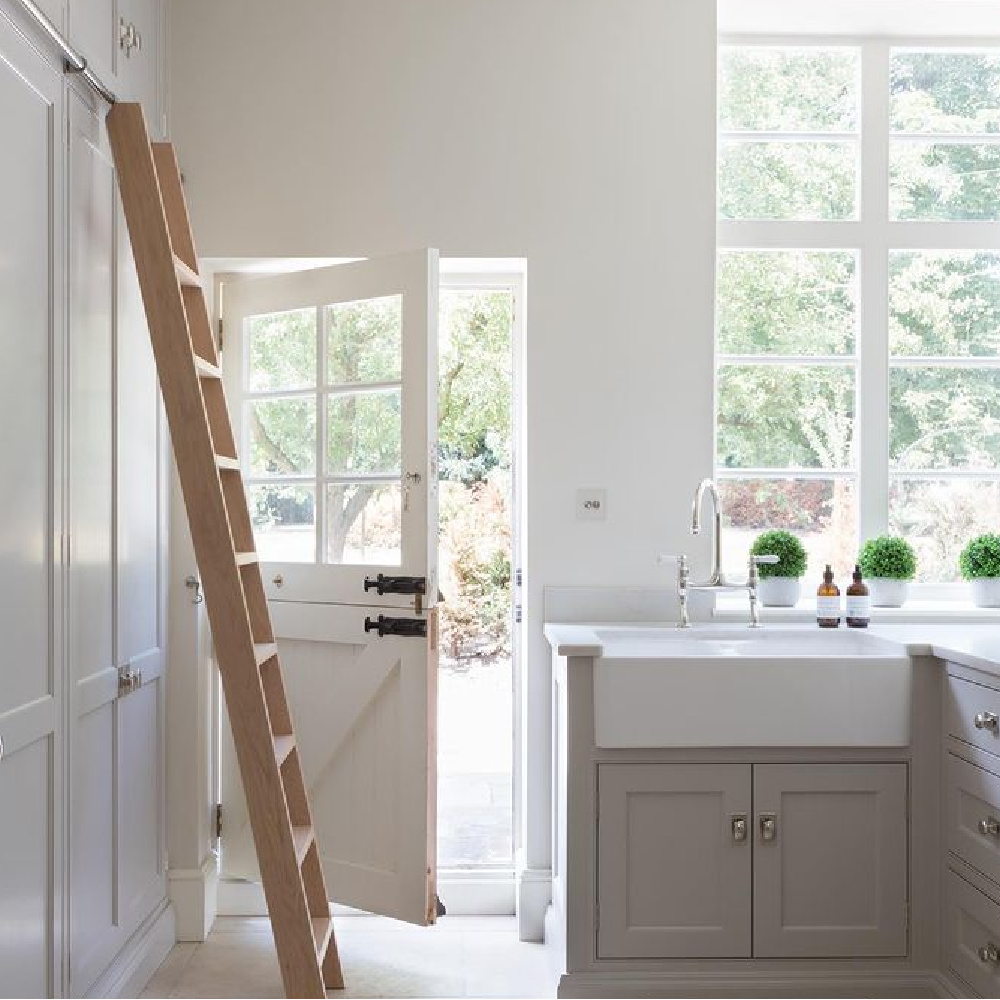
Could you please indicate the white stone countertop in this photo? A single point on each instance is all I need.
(972, 644)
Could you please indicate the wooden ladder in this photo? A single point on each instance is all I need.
(209, 470)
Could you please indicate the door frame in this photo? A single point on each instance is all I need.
(484, 891)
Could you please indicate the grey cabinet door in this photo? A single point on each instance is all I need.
(830, 880)
(673, 879)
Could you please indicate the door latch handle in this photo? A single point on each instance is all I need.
(415, 628)
(768, 828)
(738, 824)
(383, 584)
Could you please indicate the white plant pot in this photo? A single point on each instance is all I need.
(888, 593)
(779, 591)
(986, 592)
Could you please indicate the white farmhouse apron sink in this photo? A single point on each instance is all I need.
(664, 687)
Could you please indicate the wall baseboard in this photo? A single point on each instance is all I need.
(763, 985)
(195, 895)
(534, 893)
(142, 955)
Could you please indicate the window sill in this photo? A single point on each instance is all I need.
(735, 608)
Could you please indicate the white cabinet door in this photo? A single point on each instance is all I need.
(673, 860)
(94, 935)
(94, 31)
(31, 262)
(830, 860)
(141, 541)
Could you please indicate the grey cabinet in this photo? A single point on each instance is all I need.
(830, 860)
(811, 857)
(674, 860)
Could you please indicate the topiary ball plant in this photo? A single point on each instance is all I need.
(888, 557)
(981, 558)
(789, 550)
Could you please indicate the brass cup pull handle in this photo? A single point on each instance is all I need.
(738, 825)
(987, 720)
(989, 827)
(768, 828)
(989, 954)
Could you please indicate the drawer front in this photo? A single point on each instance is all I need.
(972, 936)
(972, 713)
(973, 815)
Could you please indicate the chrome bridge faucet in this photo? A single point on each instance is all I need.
(716, 581)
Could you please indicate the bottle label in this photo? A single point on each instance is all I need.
(828, 607)
(859, 606)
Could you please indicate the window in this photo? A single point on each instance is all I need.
(858, 297)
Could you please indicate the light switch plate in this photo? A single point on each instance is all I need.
(591, 504)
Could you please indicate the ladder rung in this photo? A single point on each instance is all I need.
(283, 746)
(185, 275)
(322, 932)
(264, 651)
(246, 558)
(206, 369)
(227, 464)
(303, 837)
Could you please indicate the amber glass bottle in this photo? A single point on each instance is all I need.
(859, 604)
(828, 602)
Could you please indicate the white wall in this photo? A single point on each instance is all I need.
(579, 134)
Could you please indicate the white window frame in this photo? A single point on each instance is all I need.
(872, 236)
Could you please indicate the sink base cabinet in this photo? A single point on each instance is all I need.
(763, 860)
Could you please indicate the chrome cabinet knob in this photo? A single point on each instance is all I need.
(989, 954)
(768, 827)
(738, 824)
(989, 827)
(987, 720)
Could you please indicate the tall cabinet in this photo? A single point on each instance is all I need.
(82, 540)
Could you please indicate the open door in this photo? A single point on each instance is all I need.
(332, 377)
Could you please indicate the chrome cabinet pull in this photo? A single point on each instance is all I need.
(987, 720)
(989, 827)
(768, 827)
(989, 954)
(738, 824)
(1, 748)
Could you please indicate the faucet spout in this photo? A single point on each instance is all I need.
(709, 487)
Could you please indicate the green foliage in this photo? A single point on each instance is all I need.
(888, 557)
(981, 557)
(789, 550)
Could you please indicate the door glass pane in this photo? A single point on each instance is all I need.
(364, 432)
(284, 521)
(363, 522)
(948, 92)
(281, 350)
(944, 418)
(795, 302)
(939, 516)
(789, 89)
(944, 304)
(821, 513)
(363, 340)
(941, 181)
(782, 416)
(282, 435)
(787, 180)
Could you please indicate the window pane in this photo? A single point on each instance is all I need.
(939, 517)
(944, 181)
(284, 522)
(822, 513)
(788, 89)
(282, 350)
(363, 525)
(780, 417)
(786, 302)
(363, 340)
(944, 418)
(364, 433)
(282, 435)
(787, 180)
(944, 304)
(946, 91)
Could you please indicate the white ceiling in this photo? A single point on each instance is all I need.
(899, 18)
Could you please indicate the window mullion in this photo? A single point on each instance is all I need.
(321, 431)
(872, 411)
